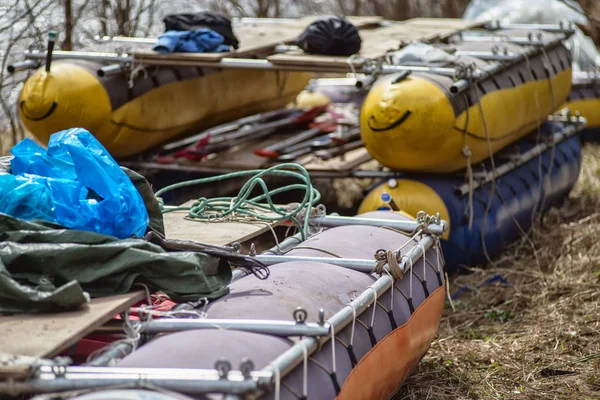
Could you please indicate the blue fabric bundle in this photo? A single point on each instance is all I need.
(198, 41)
(76, 183)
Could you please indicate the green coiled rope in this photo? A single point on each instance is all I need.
(222, 207)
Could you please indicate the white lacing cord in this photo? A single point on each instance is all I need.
(437, 254)
(350, 63)
(424, 261)
(374, 306)
(353, 323)
(466, 152)
(305, 371)
(441, 254)
(391, 290)
(553, 105)
(410, 282)
(539, 128)
(134, 73)
(277, 381)
(333, 349)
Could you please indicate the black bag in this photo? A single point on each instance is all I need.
(333, 36)
(211, 20)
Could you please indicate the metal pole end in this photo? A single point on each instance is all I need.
(321, 317)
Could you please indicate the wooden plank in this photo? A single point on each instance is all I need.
(253, 39)
(217, 233)
(47, 335)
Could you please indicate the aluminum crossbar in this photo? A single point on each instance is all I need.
(463, 84)
(266, 327)
(331, 221)
(79, 55)
(22, 66)
(355, 264)
(193, 381)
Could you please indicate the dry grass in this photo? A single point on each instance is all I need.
(538, 338)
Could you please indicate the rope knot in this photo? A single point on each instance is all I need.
(424, 220)
(466, 152)
(390, 258)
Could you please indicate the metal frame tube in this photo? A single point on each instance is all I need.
(523, 41)
(117, 352)
(170, 373)
(462, 84)
(125, 39)
(22, 66)
(79, 55)
(330, 221)
(293, 357)
(55, 379)
(355, 264)
(266, 327)
(488, 56)
(557, 28)
(98, 381)
(285, 245)
(113, 69)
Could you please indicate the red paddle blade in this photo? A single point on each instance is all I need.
(325, 127)
(311, 114)
(266, 153)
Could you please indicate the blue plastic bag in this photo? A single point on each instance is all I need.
(76, 183)
(198, 41)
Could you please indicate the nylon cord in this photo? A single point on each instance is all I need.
(243, 206)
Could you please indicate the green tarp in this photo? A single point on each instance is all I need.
(44, 267)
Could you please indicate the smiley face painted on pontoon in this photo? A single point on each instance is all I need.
(67, 96)
(396, 110)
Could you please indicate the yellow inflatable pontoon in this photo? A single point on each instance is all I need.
(416, 123)
(585, 99)
(160, 104)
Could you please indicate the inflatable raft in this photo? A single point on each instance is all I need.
(364, 358)
(585, 94)
(333, 328)
(159, 104)
(530, 183)
(425, 122)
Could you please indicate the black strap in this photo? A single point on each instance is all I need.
(410, 305)
(336, 385)
(424, 283)
(372, 336)
(439, 276)
(392, 319)
(352, 356)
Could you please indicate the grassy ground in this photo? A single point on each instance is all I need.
(538, 338)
